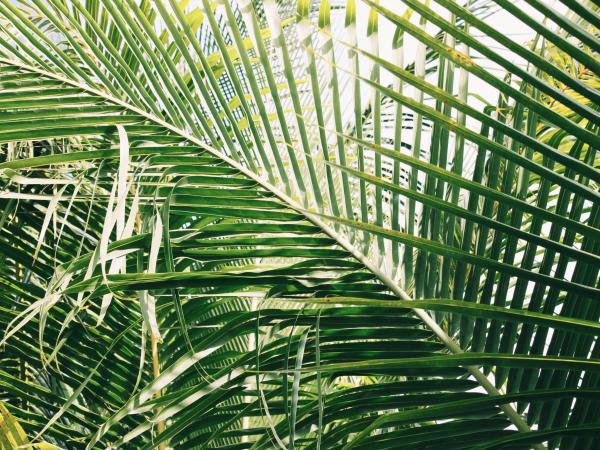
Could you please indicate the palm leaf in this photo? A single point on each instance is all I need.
(320, 257)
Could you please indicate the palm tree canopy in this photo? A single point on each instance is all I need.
(337, 224)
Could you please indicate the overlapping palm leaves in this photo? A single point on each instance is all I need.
(222, 227)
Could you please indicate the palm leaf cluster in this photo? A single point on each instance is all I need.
(300, 225)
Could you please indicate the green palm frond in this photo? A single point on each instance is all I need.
(299, 224)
